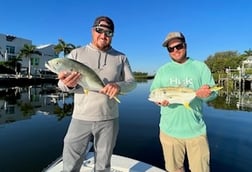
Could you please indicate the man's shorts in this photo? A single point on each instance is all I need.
(174, 150)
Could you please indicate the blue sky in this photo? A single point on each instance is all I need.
(140, 26)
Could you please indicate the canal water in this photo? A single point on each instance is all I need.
(34, 120)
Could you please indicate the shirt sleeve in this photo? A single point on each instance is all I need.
(128, 82)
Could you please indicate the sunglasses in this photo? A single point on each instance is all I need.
(178, 47)
(108, 33)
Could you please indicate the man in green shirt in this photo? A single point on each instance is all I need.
(182, 129)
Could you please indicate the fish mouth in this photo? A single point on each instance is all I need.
(48, 66)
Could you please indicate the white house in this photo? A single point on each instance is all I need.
(10, 47)
(247, 62)
(38, 62)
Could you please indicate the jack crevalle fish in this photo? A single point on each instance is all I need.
(175, 95)
(89, 80)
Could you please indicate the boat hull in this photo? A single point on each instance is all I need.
(118, 164)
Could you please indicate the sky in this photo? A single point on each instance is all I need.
(210, 26)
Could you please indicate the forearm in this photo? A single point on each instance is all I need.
(211, 97)
(65, 88)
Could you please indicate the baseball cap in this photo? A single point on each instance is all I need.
(110, 24)
(171, 36)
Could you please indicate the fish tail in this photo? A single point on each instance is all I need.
(216, 88)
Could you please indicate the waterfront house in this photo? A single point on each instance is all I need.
(10, 47)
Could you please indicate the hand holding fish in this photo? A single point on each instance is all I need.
(163, 103)
(70, 79)
(179, 95)
(204, 91)
(111, 89)
(72, 72)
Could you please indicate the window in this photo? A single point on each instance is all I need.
(34, 61)
(10, 49)
(10, 110)
(10, 52)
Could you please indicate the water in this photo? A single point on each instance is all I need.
(33, 125)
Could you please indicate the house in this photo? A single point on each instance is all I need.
(247, 62)
(10, 47)
(38, 62)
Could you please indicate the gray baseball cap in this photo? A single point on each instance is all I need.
(171, 36)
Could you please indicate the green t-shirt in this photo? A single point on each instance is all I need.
(177, 120)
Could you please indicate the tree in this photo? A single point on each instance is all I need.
(248, 52)
(12, 64)
(1, 54)
(223, 60)
(27, 51)
(62, 46)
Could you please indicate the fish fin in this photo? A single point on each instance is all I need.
(116, 99)
(85, 91)
(186, 104)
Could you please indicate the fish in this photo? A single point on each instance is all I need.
(89, 80)
(176, 95)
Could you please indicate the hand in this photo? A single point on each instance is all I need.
(203, 92)
(111, 89)
(163, 103)
(70, 79)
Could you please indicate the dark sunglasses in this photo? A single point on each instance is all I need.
(178, 47)
(108, 33)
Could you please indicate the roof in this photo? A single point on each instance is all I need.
(44, 46)
(249, 58)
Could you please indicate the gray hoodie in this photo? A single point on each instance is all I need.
(111, 66)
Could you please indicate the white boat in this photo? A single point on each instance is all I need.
(118, 164)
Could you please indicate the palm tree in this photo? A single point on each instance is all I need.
(62, 46)
(14, 64)
(248, 52)
(27, 51)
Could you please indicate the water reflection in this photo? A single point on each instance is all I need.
(235, 100)
(19, 103)
(38, 117)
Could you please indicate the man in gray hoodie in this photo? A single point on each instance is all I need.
(95, 115)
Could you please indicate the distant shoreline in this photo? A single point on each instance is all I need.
(24, 81)
(144, 76)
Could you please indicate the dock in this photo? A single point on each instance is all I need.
(13, 80)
